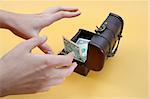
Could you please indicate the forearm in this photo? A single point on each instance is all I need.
(21, 25)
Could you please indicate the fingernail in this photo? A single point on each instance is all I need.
(48, 52)
(78, 12)
(75, 64)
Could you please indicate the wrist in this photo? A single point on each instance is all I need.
(3, 91)
(5, 19)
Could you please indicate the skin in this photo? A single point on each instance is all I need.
(29, 25)
(23, 72)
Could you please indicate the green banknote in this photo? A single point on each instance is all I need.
(79, 48)
(71, 46)
(83, 45)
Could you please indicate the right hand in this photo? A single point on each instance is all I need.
(29, 25)
(24, 73)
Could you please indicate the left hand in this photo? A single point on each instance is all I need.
(23, 72)
(29, 25)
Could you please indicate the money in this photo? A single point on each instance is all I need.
(83, 45)
(79, 48)
(71, 46)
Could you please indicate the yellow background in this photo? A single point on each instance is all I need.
(123, 76)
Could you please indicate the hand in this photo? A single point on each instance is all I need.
(29, 25)
(24, 73)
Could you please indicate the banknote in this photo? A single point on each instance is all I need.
(83, 45)
(71, 46)
(79, 48)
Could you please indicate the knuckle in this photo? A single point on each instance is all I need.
(44, 79)
(46, 61)
(59, 7)
(62, 14)
(36, 39)
(60, 81)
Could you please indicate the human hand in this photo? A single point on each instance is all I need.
(24, 73)
(29, 25)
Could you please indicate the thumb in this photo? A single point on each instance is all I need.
(34, 42)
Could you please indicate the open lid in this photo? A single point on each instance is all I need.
(103, 44)
(113, 24)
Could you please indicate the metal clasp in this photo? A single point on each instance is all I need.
(100, 29)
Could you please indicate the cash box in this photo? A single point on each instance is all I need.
(103, 44)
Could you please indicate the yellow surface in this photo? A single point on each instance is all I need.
(123, 77)
(149, 50)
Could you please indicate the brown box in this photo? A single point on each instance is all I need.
(103, 44)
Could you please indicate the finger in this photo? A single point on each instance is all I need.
(50, 83)
(60, 8)
(61, 72)
(44, 89)
(60, 60)
(63, 14)
(46, 49)
(68, 70)
(52, 60)
(28, 45)
(54, 81)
